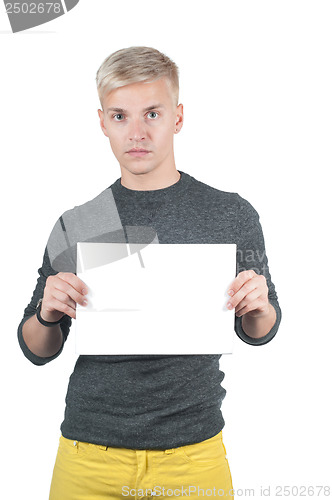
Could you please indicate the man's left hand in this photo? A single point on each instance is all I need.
(249, 294)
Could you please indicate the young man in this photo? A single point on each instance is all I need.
(149, 424)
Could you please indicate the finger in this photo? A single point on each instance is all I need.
(68, 289)
(242, 311)
(248, 303)
(63, 297)
(239, 281)
(259, 305)
(57, 305)
(244, 291)
(74, 281)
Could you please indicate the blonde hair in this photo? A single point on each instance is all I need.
(136, 64)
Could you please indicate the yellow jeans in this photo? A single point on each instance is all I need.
(85, 471)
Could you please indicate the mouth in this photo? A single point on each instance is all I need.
(138, 152)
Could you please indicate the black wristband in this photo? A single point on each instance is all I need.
(41, 320)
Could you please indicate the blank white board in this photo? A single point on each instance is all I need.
(155, 299)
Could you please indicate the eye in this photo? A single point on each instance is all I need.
(118, 117)
(153, 115)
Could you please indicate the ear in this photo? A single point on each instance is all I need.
(179, 118)
(101, 118)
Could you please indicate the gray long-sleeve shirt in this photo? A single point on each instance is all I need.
(150, 401)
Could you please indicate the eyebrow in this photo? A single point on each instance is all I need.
(149, 108)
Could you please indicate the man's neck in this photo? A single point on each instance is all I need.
(144, 182)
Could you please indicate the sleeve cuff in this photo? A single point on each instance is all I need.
(261, 340)
(36, 360)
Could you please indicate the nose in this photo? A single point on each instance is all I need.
(137, 131)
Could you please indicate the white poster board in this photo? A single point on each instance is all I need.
(155, 299)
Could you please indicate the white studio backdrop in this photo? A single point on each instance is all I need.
(255, 81)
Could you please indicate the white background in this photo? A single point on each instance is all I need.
(256, 85)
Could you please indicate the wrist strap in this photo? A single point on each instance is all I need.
(41, 320)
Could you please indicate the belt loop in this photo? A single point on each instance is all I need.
(168, 452)
(102, 447)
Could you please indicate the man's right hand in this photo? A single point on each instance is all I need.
(61, 293)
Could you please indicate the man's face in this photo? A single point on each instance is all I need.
(140, 120)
